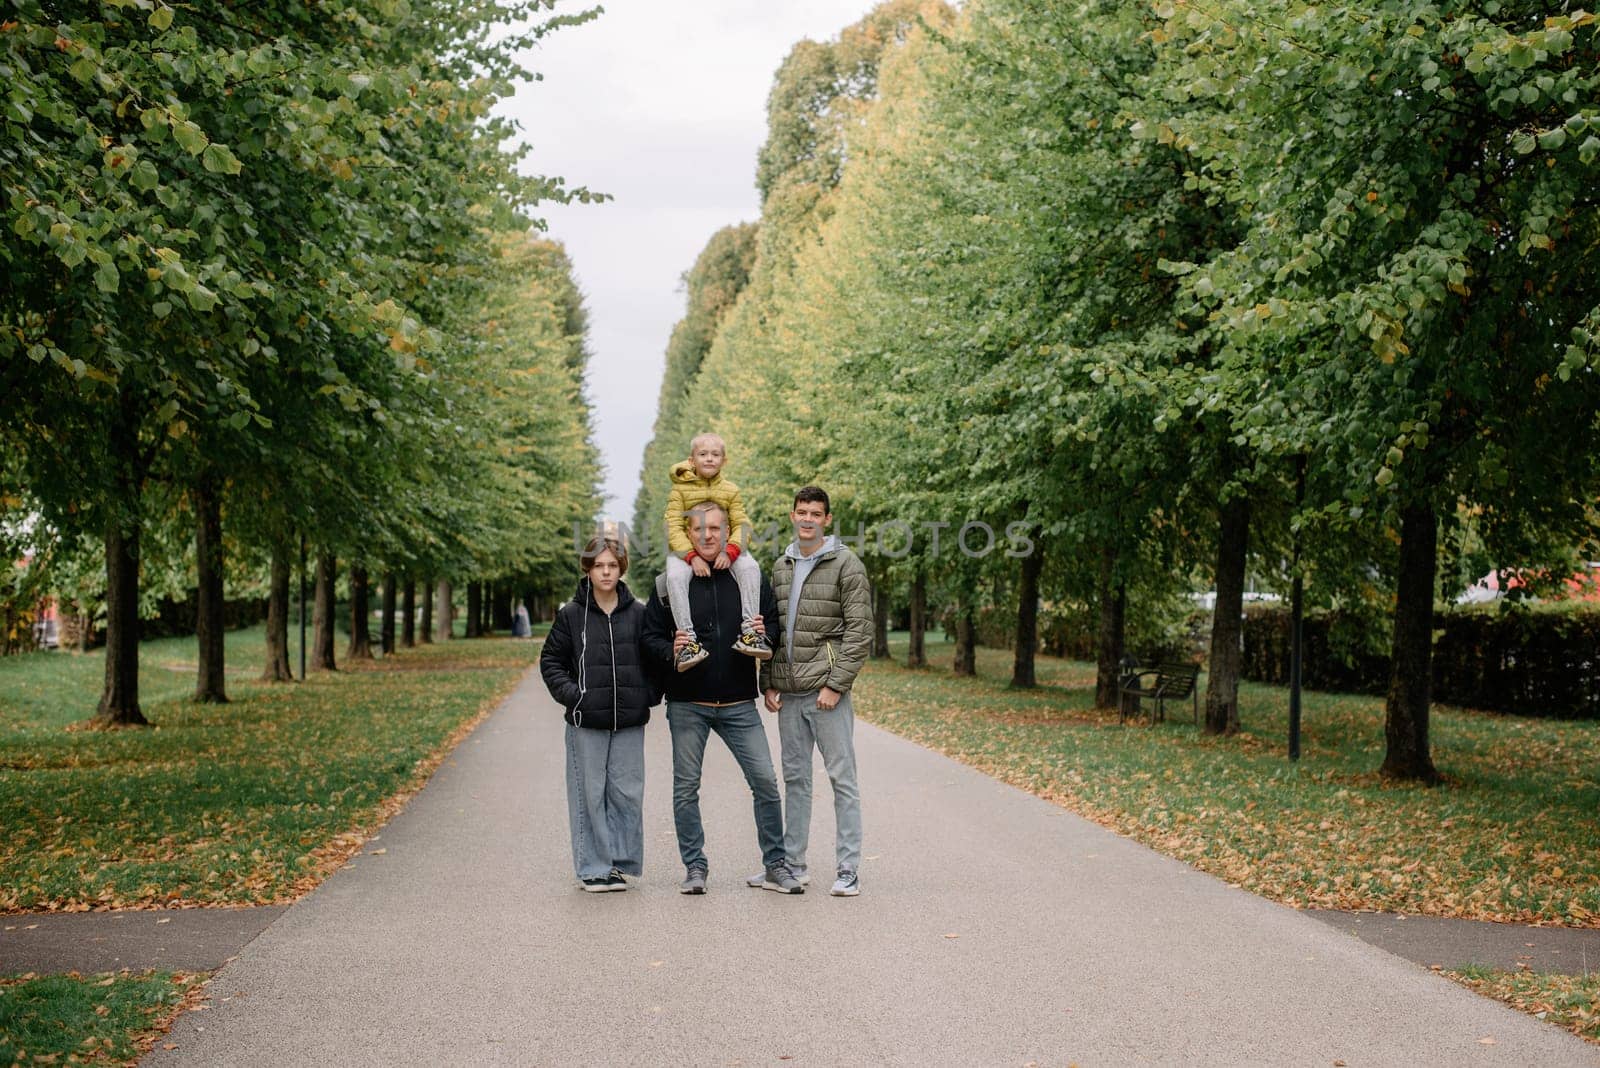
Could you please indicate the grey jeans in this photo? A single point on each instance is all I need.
(802, 727)
(746, 574)
(605, 800)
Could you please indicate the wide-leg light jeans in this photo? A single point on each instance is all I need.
(605, 800)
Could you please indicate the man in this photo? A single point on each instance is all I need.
(826, 636)
(717, 694)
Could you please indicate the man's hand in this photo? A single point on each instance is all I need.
(774, 700)
(722, 562)
(700, 568)
(828, 698)
(759, 625)
(679, 640)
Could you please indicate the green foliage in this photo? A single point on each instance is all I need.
(1415, 273)
(284, 245)
(715, 281)
(1101, 269)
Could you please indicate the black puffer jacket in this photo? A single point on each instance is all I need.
(593, 663)
(725, 675)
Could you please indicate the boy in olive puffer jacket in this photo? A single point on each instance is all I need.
(824, 589)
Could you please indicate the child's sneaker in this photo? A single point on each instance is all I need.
(692, 654)
(752, 644)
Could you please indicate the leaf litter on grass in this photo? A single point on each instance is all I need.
(253, 802)
(1510, 836)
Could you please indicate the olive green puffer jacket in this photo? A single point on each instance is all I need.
(832, 628)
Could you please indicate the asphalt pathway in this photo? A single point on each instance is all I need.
(993, 929)
(174, 940)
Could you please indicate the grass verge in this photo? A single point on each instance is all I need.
(247, 803)
(1510, 836)
(102, 1019)
(1569, 1001)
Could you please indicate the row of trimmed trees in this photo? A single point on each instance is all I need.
(1179, 293)
(268, 284)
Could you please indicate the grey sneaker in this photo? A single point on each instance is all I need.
(846, 885)
(694, 881)
(752, 644)
(759, 879)
(781, 879)
(691, 655)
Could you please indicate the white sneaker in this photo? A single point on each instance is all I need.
(846, 885)
(759, 879)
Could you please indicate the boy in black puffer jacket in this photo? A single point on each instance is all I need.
(594, 665)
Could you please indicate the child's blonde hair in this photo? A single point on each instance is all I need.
(707, 435)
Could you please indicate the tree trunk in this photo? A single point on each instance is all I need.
(1405, 723)
(408, 613)
(210, 682)
(425, 624)
(1022, 674)
(966, 662)
(326, 604)
(119, 702)
(441, 611)
(1111, 641)
(917, 651)
(474, 610)
(1222, 683)
(360, 616)
(503, 608)
(278, 669)
(880, 620)
(386, 626)
(486, 610)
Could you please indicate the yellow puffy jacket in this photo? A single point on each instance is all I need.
(688, 490)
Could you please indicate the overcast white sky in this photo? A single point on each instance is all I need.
(661, 103)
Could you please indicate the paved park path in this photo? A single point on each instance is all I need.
(993, 929)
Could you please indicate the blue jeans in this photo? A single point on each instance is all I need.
(605, 800)
(803, 726)
(739, 726)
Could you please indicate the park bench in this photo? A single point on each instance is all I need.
(1166, 681)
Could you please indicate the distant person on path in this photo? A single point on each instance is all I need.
(694, 481)
(520, 627)
(718, 694)
(827, 633)
(594, 664)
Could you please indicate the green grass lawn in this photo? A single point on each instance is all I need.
(1513, 834)
(249, 802)
(73, 1019)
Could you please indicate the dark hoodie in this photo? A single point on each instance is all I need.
(593, 663)
(725, 676)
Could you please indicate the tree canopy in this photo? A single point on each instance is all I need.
(1121, 274)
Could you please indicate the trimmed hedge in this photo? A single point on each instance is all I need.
(175, 618)
(1071, 632)
(1539, 660)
